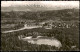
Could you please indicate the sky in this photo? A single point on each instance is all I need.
(48, 4)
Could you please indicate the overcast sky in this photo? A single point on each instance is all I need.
(50, 4)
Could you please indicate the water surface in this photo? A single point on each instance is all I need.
(43, 40)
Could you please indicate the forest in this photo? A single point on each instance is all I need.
(67, 36)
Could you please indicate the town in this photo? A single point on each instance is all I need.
(51, 24)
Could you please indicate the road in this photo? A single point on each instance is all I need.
(21, 29)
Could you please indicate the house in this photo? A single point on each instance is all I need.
(32, 25)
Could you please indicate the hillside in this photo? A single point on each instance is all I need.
(63, 15)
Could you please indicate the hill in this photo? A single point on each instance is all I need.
(63, 15)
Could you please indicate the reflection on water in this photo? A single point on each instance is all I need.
(53, 42)
(43, 40)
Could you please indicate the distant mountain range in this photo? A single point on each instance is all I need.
(32, 7)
